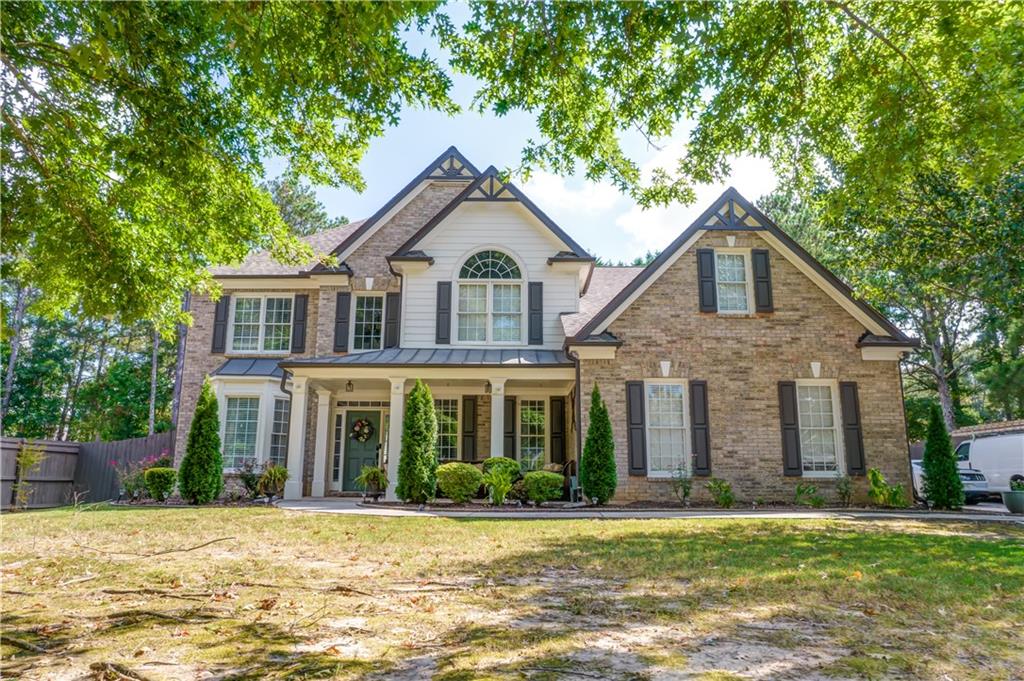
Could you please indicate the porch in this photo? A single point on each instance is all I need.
(514, 403)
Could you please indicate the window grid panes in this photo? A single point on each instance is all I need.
(531, 433)
(277, 331)
(240, 422)
(817, 428)
(731, 274)
(279, 433)
(447, 429)
(246, 333)
(339, 442)
(507, 320)
(490, 265)
(666, 427)
(369, 323)
(473, 312)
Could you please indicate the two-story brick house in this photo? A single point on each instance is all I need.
(734, 354)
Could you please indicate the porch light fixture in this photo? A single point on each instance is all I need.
(349, 387)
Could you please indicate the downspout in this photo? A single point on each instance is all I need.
(575, 356)
(284, 379)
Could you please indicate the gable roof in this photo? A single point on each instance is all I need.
(489, 187)
(605, 282)
(451, 165)
(731, 211)
(262, 264)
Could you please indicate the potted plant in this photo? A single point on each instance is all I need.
(373, 480)
(1014, 499)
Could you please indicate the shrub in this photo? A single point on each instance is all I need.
(130, 476)
(272, 481)
(518, 491)
(807, 495)
(543, 486)
(721, 492)
(942, 485)
(26, 461)
(682, 484)
(510, 465)
(1017, 485)
(499, 483)
(844, 489)
(597, 466)
(160, 482)
(417, 467)
(372, 477)
(459, 481)
(201, 476)
(884, 494)
(249, 475)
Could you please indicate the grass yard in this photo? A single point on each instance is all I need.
(293, 595)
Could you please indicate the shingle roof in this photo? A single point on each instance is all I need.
(441, 357)
(262, 264)
(604, 284)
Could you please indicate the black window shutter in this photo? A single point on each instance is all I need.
(762, 280)
(853, 439)
(510, 428)
(706, 280)
(701, 428)
(469, 428)
(636, 428)
(557, 430)
(220, 323)
(791, 464)
(443, 334)
(341, 314)
(392, 319)
(299, 309)
(536, 312)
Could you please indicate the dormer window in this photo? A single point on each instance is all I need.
(490, 308)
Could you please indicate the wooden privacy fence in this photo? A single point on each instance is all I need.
(67, 468)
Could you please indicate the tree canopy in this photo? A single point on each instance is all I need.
(299, 207)
(134, 134)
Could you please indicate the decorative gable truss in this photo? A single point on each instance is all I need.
(730, 214)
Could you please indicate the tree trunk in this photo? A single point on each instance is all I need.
(16, 323)
(152, 380)
(68, 412)
(942, 383)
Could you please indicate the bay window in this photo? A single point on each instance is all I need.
(240, 423)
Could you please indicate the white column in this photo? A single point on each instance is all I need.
(395, 434)
(497, 416)
(323, 417)
(296, 439)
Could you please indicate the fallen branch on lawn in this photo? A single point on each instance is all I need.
(155, 553)
(567, 672)
(23, 645)
(119, 671)
(188, 596)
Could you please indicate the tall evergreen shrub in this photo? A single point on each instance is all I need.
(417, 467)
(597, 468)
(201, 474)
(942, 485)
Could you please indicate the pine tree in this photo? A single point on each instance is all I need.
(417, 468)
(597, 468)
(201, 474)
(942, 485)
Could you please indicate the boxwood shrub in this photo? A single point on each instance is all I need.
(505, 463)
(459, 481)
(543, 486)
(160, 482)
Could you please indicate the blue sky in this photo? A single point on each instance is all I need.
(605, 222)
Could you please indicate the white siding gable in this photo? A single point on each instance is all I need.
(475, 226)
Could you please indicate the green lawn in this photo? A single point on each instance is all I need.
(292, 595)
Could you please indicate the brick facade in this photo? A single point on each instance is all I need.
(743, 359)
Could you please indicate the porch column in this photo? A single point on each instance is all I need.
(497, 416)
(296, 439)
(323, 417)
(397, 417)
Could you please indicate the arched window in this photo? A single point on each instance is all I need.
(490, 306)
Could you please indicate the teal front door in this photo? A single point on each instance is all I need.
(359, 452)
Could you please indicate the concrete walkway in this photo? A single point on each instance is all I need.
(349, 506)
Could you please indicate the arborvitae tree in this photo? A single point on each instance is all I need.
(942, 485)
(201, 475)
(417, 469)
(597, 468)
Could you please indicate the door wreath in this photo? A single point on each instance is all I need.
(362, 430)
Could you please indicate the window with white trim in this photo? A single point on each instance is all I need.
(241, 419)
(817, 420)
(532, 433)
(490, 301)
(261, 324)
(278, 455)
(666, 428)
(368, 323)
(447, 446)
(731, 281)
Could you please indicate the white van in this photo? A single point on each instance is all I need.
(1000, 457)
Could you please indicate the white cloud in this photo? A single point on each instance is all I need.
(554, 195)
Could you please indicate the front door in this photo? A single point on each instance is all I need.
(362, 435)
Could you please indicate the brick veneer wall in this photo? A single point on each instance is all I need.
(743, 359)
